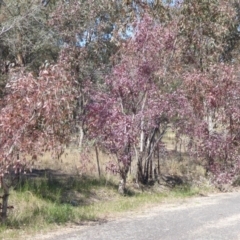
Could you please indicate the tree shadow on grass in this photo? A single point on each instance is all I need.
(63, 188)
(55, 197)
(52, 197)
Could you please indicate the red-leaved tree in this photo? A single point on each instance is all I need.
(150, 89)
(36, 116)
(213, 127)
(130, 115)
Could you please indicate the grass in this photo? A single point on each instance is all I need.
(61, 195)
(45, 202)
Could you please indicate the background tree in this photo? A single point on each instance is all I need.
(26, 40)
(213, 126)
(30, 41)
(208, 34)
(206, 28)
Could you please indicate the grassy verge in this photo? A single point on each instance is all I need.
(42, 203)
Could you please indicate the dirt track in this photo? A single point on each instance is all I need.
(214, 217)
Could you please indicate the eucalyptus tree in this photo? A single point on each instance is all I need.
(209, 38)
(29, 40)
(92, 33)
(206, 28)
(130, 116)
(183, 59)
(36, 116)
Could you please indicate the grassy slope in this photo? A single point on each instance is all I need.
(59, 196)
(43, 203)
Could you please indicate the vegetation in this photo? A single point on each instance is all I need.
(53, 200)
(115, 77)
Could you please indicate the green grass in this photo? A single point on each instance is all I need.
(43, 203)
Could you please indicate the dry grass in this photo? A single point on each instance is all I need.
(75, 163)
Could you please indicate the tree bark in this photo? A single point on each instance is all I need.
(4, 200)
(122, 185)
(98, 165)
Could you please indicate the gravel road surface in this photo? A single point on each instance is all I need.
(215, 217)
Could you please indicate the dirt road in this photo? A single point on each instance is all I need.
(215, 217)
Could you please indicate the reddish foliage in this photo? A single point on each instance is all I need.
(130, 116)
(203, 106)
(36, 115)
(214, 124)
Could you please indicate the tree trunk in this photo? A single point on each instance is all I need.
(81, 135)
(98, 165)
(4, 200)
(158, 162)
(139, 176)
(151, 169)
(122, 185)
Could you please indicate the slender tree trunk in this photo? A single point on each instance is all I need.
(122, 185)
(4, 200)
(81, 135)
(158, 162)
(139, 176)
(98, 165)
(145, 174)
(151, 169)
(151, 146)
(123, 181)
